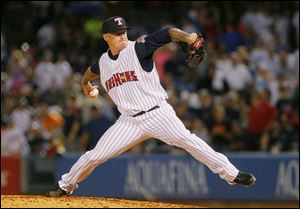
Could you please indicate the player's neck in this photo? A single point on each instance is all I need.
(111, 56)
(114, 52)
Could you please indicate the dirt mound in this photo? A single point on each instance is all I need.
(38, 201)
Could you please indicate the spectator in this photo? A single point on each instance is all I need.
(237, 137)
(46, 36)
(201, 130)
(43, 75)
(161, 56)
(21, 116)
(285, 102)
(73, 126)
(232, 107)
(260, 117)
(63, 71)
(13, 140)
(36, 140)
(234, 75)
(92, 130)
(220, 129)
(231, 38)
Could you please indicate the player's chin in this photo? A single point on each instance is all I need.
(123, 44)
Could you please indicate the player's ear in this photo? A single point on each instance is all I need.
(105, 37)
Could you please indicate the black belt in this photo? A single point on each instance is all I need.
(143, 112)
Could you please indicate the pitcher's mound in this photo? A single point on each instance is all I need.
(38, 201)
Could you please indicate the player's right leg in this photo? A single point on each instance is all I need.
(123, 135)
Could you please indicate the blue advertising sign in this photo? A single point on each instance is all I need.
(162, 176)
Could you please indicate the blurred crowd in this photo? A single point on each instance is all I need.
(243, 97)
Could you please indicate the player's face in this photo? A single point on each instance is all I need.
(118, 39)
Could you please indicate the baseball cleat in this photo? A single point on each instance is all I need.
(246, 179)
(56, 192)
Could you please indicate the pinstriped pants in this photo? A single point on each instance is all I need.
(162, 124)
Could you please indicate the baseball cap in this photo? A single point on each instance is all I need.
(114, 24)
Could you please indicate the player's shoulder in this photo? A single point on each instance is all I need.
(131, 43)
(103, 55)
(130, 46)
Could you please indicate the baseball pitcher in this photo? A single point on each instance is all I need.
(128, 74)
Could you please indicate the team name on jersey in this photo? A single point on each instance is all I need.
(119, 78)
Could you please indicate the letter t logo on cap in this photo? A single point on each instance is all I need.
(119, 20)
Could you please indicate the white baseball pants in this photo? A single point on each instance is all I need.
(162, 124)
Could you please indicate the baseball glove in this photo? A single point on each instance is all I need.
(194, 53)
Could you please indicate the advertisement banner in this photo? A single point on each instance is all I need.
(160, 176)
(10, 175)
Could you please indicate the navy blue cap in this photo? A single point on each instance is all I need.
(114, 24)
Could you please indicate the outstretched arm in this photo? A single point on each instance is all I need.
(147, 44)
(85, 82)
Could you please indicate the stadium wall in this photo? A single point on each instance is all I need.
(166, 177)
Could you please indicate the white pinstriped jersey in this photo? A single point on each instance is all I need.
(129, 86)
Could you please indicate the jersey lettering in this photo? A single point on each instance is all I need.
(119, 78)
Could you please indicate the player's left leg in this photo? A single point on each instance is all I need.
(163, 124)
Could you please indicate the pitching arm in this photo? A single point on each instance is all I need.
(87, 87)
